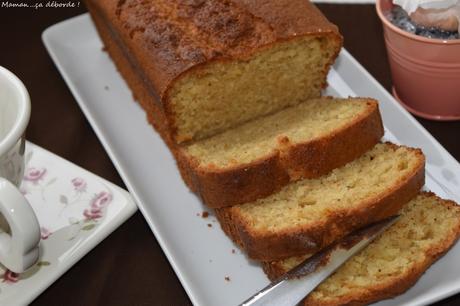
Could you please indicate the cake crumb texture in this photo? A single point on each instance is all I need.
(306, 122)
(309, 214)
(215, 64)
(392, 263)
(258, 158)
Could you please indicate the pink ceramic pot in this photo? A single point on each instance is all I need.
(426, 72)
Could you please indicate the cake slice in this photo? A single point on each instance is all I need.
(258, 158)
(201, 67)
(391, 264)
(309, 214)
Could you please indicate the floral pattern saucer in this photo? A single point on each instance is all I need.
(76, 210)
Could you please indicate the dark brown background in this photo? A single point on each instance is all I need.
(129, 267)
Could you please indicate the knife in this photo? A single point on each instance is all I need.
(295, 285)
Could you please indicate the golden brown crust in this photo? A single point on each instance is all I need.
(248, 182)
(273, 269)
(169, 37)
(237, 184)
(165, 40)
(403, 282)
(141, 92)
(392, 288)
(157, 119)
(127, 69)
(258, 179)
(269, 246)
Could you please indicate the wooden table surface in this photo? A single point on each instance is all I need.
(129, 267)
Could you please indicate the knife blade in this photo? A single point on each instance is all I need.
(295, 285)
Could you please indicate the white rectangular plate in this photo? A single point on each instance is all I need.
(201, 255)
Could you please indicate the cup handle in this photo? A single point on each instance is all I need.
(19, 248)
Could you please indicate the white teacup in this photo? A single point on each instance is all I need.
(19, 240)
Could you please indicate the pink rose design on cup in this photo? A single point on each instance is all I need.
(98, 206)
(34, 174)
(10, 277)
(45, 233)
(79, 184)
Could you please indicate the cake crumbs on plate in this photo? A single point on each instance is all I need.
(204, 214)
(227, 278)
(209, 225)
(233, 251)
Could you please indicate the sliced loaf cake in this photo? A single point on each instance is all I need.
(393, 262)
(308, 215)
(200, 67)
(258, 158)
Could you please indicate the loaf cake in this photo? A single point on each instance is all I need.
(309, 214)
(258, 158)
(391, 264)
(200, 67)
